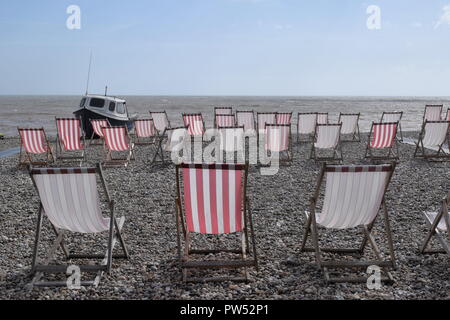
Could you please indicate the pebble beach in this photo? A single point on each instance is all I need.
(146, 195)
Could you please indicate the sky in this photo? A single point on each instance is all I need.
(226, 47)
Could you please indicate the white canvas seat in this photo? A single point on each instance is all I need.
(278, 140)
(69, 198)
(232, 140)
(327, 137)
(246, 119)
(432, 113)
(160, 120)
(306, 126)
(264, 118)
(433, 136)
(354, 196)
(350, 126)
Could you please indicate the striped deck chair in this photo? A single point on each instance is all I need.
(70, 139)
(382, 137)
(327, 137)
(173, 143)
(264, 118)
(34, 142)
(145, 131)
(97, 125)
(212, 200)
(439, 224)
(350, 126)
(71, 201)
(354, 196)
(232, 142)
(221, 111)
(246, 119)
(322, 118)
(195, 124)
(395, 116)
(117, 139)
(284, 118)
(306, 126)
(161, 121)
(433, 136)
(278, 140)
(432, 112)
(225, 120)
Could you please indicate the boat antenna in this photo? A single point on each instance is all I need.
(106, 90)
(89, 73)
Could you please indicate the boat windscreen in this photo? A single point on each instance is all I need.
(97, 103)
(120, 108)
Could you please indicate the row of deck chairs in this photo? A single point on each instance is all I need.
(212, 199)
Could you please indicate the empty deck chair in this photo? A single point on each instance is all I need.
(322, 118)
(278, 140)
(391, 117)
(447, 116)
(284, 118)
(145, 131)
(71, 201)
(160, 120)
(432, 113)
(439, 224)
(225, 120)
(354, 196)
(70, 139)
(212, 200)
(175, 138)
(433, 136)
(221, 111)
(117, 140)
(382, 142)
(246, 119)
(97, 125)
(34, 142)
(350, 126)
(195, 124)
(264, 118)
(232, 141)
(327, 138)
(306, 126)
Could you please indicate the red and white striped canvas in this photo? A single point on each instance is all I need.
(383, 135)
(194, 122)
(213, 198)
(277, 138)
(160, 121)
(284, 118)
(116, 138)
(246, 119)
(97, 125)
(33, 140)
(145, 128)
(266, 118)
(322, 118)
(433, 113)
(223, 110)
(69, 133)
(225, 120)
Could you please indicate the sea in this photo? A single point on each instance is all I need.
(40, 111)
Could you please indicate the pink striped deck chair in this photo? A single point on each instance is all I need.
(439, 224)
(97, 125)
(278, 140)
(322, 118)
(146, 132)
(34, 142)
(350, 126)
(433, 137)
(353, 198)
(117, 140)
(284, 118)
(195, 124)
(394, 116)
(70, 139)
(433, 112)
(232, 140)
(246, 119)
(382, 137)
(161, 121)
(306, 126)
(212, 200)
(327, 138)
(225, 120)
(71, 202)
(173, 143)
(221, 111)
(264, 118)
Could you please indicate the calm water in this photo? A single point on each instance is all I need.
(40, 111)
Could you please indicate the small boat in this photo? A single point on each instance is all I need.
(103, 107)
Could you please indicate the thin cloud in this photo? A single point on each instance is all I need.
(445, 17)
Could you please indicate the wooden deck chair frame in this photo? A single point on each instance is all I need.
(356, 136)
(420, 151)
(400, 113)
(243, 141)
(392, 154)
(159, 152)
(440, 106)
(145, 141)
(38, 269)
(167, 118)
(310, 136)
(60, 152)
(26, 158)
(246, 111)
(100, 139)
(285, 156)
(337, 150)
(443, 214)
(183, 235)
(111, 162)
(311, 229)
